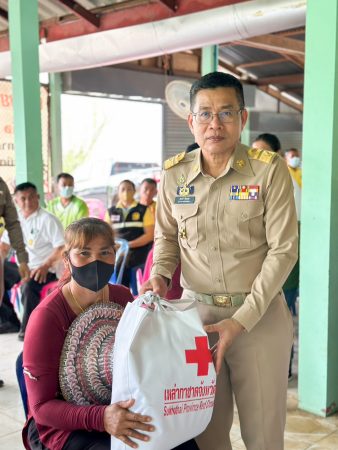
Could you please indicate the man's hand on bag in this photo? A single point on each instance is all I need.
(122, 423)
(228, 330)
(24, 271)
(156, 284)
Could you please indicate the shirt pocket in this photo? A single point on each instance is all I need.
(186, 217)
(244, 223)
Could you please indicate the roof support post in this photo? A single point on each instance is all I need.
(55, 87)
(318, 361)
(209, 62)
(24, 39)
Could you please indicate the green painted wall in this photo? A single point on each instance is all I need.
(318, 358)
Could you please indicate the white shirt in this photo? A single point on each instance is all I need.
(42, 233)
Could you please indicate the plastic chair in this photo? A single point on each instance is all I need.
(21, 382)
(120, 262)
(15, 295)
(96, 208)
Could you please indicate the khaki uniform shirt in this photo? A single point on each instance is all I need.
(12, 224)
(234, 234)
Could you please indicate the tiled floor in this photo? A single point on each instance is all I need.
(303, 431)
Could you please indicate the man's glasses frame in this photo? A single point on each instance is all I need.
(225, 116)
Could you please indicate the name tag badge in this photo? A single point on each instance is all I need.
(184, 200)
(115, 218)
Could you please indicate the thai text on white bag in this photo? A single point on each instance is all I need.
(163, 361)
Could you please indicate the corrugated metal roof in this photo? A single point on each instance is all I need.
(50, 9)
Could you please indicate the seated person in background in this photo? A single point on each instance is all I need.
(135, 223)
(52, 421)
(148, 190)
(9, 322)
(43, 236)
(267, 141)
(9, 215)
(67, 207)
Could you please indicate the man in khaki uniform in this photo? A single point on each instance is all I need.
(12, 225)
(227, 212)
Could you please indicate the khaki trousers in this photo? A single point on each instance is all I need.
(255, 373)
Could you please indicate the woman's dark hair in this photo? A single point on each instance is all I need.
(270, 139)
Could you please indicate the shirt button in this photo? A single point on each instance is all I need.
(213, 248)
(218, 280)
(244, 215)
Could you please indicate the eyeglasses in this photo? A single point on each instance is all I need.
(226, 116)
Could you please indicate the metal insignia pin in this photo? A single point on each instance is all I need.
(240, 163)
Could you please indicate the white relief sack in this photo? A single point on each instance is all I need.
(163, 361)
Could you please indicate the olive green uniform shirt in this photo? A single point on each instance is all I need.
(228, 241)
(12, 224)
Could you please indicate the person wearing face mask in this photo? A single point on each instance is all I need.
(67, 207)
(292, 158)
(53, 422)
(291, 286)
(135, 223)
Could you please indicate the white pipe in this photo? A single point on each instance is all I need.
(213, 26)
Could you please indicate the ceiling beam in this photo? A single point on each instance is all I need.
(82, 12)
(297, 60)
(273, 92)
(4, 14)
(294, 32)
(279, 96)
(293, 78)
(273, 43)
(171, 4)
(118, 15)
(261, 63)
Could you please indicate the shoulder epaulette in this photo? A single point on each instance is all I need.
(171, 162)
(265, 156)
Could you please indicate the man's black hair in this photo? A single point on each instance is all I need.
(215, 80)
(270, 139)
(149, 181)
(128, 181)
(64, 175)
(192, 147)
(25, 186)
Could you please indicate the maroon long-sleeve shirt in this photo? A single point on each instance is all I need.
(45, 334)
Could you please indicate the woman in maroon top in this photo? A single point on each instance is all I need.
(54, 423)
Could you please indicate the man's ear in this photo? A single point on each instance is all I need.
(244, 118)
(190, 123)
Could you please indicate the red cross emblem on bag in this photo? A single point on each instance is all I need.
(201, 356)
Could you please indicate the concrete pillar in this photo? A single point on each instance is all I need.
(209, 62)
(318, 357)
(24, 43)
(55, 88)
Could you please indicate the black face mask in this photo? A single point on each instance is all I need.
(93, 276)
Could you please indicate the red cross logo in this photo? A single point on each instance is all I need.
(201, 356)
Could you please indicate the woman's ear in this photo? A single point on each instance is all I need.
(66, 262)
